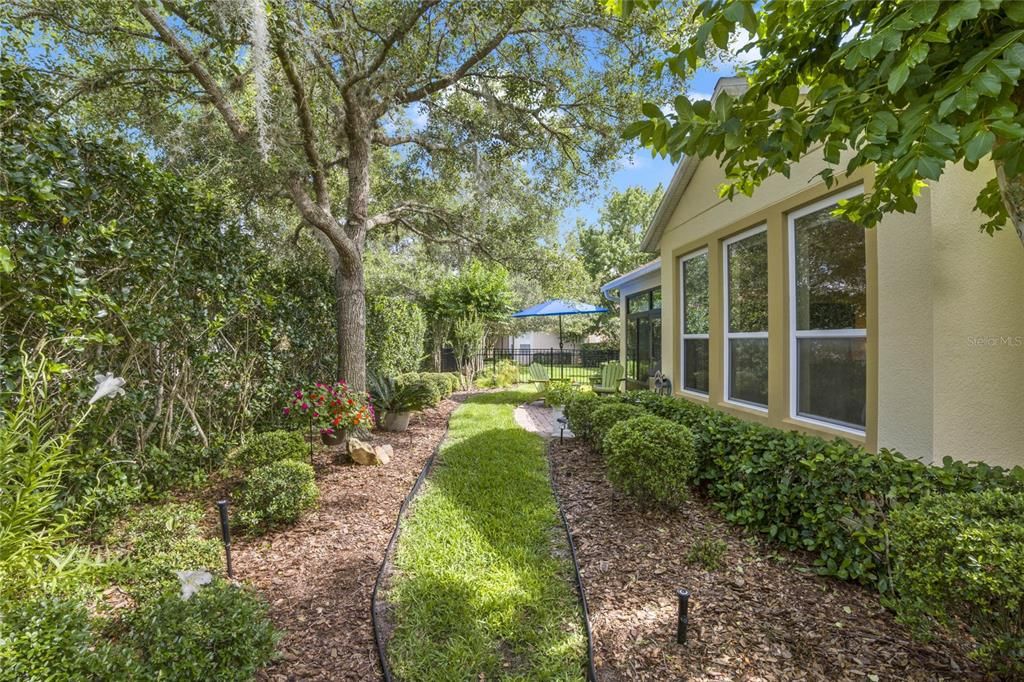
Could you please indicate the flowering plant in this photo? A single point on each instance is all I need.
(332, 407)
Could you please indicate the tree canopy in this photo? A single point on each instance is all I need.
(904, 88)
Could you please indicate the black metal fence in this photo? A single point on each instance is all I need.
(576, 364)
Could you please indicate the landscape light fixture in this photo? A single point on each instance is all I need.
(225, 532)
(684, 608)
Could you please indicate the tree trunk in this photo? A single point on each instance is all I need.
(350, 310)
(1012, 189)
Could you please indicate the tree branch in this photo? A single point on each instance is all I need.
(439, 84)
(323, 198)
(200, 73)
(389, 42)
(323, 221)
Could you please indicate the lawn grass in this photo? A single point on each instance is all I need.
(483, 585)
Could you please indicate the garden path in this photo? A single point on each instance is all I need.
(536, 418)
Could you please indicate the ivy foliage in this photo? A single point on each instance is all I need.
(905, 88)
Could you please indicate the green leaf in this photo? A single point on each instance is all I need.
(1014, 10)
(6, 262)
(979, 145)
(651, 110)
(898, 77)
(634, 129)
(987, 83)
(788, 96)
(929, 167)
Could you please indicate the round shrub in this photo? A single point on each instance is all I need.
(439, 383)
(960, 557)
(56, 639)
(650, 458)
(277, 493)
(578, 409)
(269, 447)
(607, 414)
(222, 632)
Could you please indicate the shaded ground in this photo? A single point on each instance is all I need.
(319, 574)
(764, 616)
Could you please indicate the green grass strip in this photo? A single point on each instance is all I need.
(483, 584)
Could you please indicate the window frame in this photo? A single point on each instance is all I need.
(649, 314)
(795, 334)
(727, 335)
(683, 336)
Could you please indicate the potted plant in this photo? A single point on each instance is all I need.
(335, 409)
(396, 401)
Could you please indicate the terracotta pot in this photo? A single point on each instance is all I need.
(336, 438)
(396, 421)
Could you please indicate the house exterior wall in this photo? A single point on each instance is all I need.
(945, 344)
(540, 340)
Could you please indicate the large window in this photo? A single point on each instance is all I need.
(643, 335)
(693, 275)
(828, 321)
(746, 315)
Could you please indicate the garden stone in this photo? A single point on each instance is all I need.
(361, 452)
(383, 453)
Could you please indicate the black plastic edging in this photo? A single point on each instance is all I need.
(390, 551)
(591, 670)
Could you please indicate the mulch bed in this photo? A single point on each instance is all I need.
(318, 575)
(763, 616)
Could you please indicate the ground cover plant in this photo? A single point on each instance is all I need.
(483, 582)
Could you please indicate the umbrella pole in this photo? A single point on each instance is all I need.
(561, 354)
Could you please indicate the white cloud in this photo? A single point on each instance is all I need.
(739, 39)
(695, 95)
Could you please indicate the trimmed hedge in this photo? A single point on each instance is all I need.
(961, 556)
(579, 409)
(841, 503)
(607, 414)
(440, 385)
(277, 494)
(395, 329)
(650, 458)
(271, 446)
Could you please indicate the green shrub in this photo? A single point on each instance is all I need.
(456, 382)
(220, 633)
(559, 392)
(152, 543)
(709, 553)
(161, 470)
(579, 408)
(276, 493)
(440, 383)
(57, 639)
(648, 457)
(419, 382)
(607, 414)
(395, 330)
(960, 557)
(504, 373)
(269, 447)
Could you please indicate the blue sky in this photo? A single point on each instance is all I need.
(640, 169)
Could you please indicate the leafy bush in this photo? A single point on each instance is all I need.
(154, 542)
(395, 330)
(709, 553)
(277, 493)
(504, 373)
(607, 414)
(48, 638)
(183, 466)
(648, 457)
(559, 392)
(455, 381)
(221, 633)
(831, 498)
(440, 384)
(579, 409)
(961, 557)
(269, 447)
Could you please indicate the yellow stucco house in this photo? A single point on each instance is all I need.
(907, 336)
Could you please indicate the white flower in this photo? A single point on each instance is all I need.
(107, 384)
(191, 581)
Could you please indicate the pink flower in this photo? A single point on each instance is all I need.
(305, 406)
(287, 410)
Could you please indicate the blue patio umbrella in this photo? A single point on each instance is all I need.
(560, 307)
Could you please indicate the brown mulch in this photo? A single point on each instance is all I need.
(763, 616)
(318, 575)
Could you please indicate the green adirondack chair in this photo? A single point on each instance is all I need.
(539, 375)
(612, 374)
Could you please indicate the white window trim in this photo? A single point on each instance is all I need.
(728, 336)
(682, 323)
(795, 334)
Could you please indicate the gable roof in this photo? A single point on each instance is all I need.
(684, 173)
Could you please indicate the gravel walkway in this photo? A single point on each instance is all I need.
(763, 616)
(319, 574)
